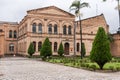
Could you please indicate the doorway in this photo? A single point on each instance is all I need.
(66, 48)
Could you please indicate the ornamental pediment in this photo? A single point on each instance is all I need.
(52, 10)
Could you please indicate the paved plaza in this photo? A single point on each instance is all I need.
(18, 68)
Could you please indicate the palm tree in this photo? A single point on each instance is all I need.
(77, 6)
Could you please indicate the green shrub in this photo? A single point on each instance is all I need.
(100, 52)
(65, 60)
(93, 67)
(83, 50)
(82, 65)
(87, 65)
(117, 68)
(61, 61)
(31, 50)
(111, 68)
(84, 60)
(74, 63)
(118, 60)
(46, 50)
(81, 61)
(114, 60)
(69, 64)
(60, 50)
(78, 64)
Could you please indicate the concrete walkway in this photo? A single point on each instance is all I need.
(18, 68)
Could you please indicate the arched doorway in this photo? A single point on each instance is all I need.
(66, 48)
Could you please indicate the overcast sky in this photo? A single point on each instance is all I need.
(15, 10)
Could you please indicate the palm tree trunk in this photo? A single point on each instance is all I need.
(80, 36)
(74, 38)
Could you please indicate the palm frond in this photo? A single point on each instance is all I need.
(84, 5)
(71, 9)
(104, 0)
(77, 12)
(75, 3)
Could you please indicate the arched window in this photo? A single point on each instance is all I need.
(11, 47)
(64, 30)
(69, 30)
(50, 28)
(34, 43)
(34, 28)
(78, 47)
(55, 29)
(40, 28)
(15, 34)
(10, 34)
(55, 47)
(39, 45)
(92, 32)
(1, 30)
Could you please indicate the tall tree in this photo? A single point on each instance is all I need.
(31, 49)
(61, 50)
(46, 49)
(77, 6)
(100, 52)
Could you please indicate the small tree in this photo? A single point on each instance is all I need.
(46, 49)
(31, 50)
(83, 50)
(100, 52)
(61, 50)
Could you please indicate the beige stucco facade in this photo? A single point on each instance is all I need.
(51, 22)
(5, 41)
(1, 43)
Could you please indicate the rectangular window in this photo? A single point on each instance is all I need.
(11, 48)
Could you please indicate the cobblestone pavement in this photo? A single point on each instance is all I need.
(17, 68)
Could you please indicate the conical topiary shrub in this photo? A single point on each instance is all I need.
(100, 52)
(46, 49)
(31, 50)
(60, 50)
